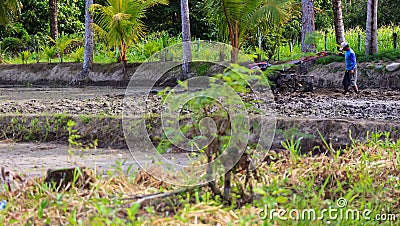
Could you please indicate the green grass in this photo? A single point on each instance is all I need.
(139, 52)
(363, 177)
(385, 41)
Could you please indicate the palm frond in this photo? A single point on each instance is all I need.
(249, 14)
(272, 13)
(215, 14)
(119, 22)
(102, 34)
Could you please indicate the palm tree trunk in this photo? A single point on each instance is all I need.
(235, 42)
(89, 44)
(338, 21)
(371, 42)
(124, 60)
(308, 25)
(187, 47)
(53, 11)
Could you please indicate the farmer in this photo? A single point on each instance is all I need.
(350, 76)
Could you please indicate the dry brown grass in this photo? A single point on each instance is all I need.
(108, 200)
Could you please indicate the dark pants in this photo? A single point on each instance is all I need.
(349, 79)
(346, 80)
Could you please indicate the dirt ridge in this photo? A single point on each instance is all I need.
(108, 130)
(370, 75)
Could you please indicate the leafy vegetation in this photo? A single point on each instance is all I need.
(119, 22)
(25, 56)
(50, 52)
(276, 39)
(214, 103)
(237, 19)
(355, 37)
(8, 8)
(365, 175)
(62, 44)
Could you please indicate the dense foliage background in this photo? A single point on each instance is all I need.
(32, 24)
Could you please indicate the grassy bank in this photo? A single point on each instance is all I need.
(361, 183)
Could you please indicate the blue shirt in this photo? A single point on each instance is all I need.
(350, 58)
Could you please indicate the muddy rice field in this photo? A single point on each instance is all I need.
(371, 104)
(35, 158)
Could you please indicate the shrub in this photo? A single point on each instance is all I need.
(49, 52)
(77, 56)
(25, 56)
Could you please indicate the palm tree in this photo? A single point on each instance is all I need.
(308, 25)
(53, 12)
(187, 48)
(242, 17)
(8, 8)
(338, 21)
(371, 42)
(89, 44)
(119, 22)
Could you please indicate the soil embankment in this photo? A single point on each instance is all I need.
(113, 74)
(370, 75)
(56, 74)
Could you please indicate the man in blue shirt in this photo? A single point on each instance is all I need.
(350, 76)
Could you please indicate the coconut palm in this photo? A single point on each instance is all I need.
(87, 51)
(371, 42)
(238, 19)
(307, 25)
(338, 20)
(187, 48)
(53, 13)
(89, 44)
(119, 22)
(8, 8)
